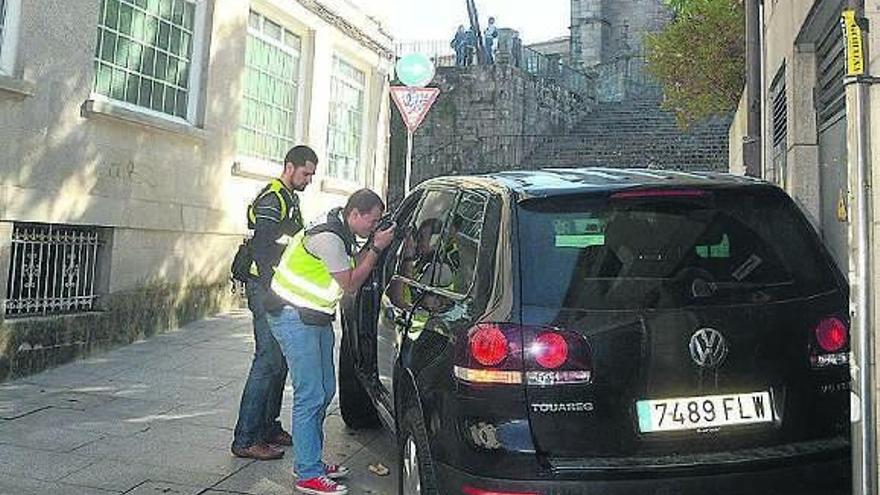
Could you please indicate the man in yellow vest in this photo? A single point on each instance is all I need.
(274, 217)
(319, 265)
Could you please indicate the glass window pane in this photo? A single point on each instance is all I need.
(111, 15)
(102, 78)
(161, 65)
(346, 117)
(254, 20)
(148, 61)
(189, 15)
(126, 12)
(174, 43)
(164, 35)
(132, 87)
(177, 14)
(135, 55)
(181, 103)
(272, 29)
(143, 39)
(165, 9)
(158, 96)
(145, 93)
(267, 114)
(117, 84)
(108, 46)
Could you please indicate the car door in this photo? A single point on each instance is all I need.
(366, 305)
(412, 259)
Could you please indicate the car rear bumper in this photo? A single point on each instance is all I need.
(825, 477)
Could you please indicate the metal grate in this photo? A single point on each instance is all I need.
(778, 108)
(52, 269)
(830, 94)
(779, 127)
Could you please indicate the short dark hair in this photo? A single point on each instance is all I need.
(363, 201)
(299, 155)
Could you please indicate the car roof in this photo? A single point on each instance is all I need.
(563, 181)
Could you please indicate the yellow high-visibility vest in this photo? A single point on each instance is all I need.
(304, 281)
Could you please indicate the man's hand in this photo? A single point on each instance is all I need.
(351, 280)
(382, 238)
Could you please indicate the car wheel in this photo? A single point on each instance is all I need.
(415, 467)
(358, 410)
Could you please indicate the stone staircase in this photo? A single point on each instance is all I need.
(638, 134)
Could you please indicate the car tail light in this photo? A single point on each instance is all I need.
(660, 193)
(550, 350)
(488, 345)
(505, 353)
(831, 333)
(470, 490)
(831, 343)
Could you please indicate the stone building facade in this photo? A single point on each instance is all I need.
(134, 132)
(603, 30)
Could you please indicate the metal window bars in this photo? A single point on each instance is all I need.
(52, 270)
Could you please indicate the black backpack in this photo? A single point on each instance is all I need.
(241, 262)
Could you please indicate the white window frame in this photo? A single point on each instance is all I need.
(9, 37)
(260, 165)
(200, 29)
(362, 165)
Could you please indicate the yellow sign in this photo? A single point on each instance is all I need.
(855, 54)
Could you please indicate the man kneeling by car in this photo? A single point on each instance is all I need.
(317, 267)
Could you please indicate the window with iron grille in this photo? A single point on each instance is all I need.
(267, 124)
(779, 126)
(345, 128)
(144, 53)
(52, 269)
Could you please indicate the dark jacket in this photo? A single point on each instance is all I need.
(269, 226)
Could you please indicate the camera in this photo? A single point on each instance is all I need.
(384, 223)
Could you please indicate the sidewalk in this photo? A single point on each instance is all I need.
(156, 417)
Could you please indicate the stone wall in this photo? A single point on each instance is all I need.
(630, 20)
(603, 30)
(487, 118)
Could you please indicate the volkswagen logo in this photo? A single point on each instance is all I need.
(708, 348)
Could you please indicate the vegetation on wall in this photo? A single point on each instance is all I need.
(699, 58)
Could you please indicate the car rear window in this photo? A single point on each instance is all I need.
(667, 249)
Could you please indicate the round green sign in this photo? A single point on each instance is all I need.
(415, 69)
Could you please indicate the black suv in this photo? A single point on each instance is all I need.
(603, 331)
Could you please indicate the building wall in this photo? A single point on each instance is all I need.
(172, 194)
(560, 47)
(630, 20)
(791, 26)
(738, 131)
(605, 29)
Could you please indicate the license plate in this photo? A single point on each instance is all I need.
(690, 413)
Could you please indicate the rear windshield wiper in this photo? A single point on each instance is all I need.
(705, 288)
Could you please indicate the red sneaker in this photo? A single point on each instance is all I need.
(321, 485)
(335, 471)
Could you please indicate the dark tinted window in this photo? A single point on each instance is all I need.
(661, 251)
(404, 217)
(457, 260)
(421, 236)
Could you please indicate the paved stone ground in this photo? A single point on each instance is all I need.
(156, 417)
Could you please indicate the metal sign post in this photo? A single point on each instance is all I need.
(864, 433)
(413, 104)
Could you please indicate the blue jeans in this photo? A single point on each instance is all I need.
(261, 397)
(309, 353)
